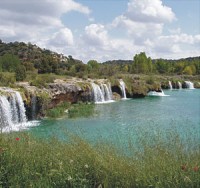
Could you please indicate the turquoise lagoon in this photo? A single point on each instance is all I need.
(122, 121)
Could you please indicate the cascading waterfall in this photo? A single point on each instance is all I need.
(170, 85)
(123, 88)
(101, 93)
(108, 92)
(98, 95)
(5, 113)
(12, 110)
(189, 85)
(21, 109)
(179, 85)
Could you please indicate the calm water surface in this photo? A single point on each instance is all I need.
(117, 121)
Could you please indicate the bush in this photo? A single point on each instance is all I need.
(74, 110)
(58, 111)
(7, 79)
(81, 110)
(20, 73)
(42, 80)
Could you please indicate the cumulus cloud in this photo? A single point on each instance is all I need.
(37, 21)
(96, 34)
(139, 31)
(139, 28)
(62, 38)
(149, 11)
(45, 7)
(144, 19)
(100, 45)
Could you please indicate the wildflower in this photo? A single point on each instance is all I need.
(71, 161)
(184, 167)
(196, 168)
(17, 139)
(69, 178)
(86, 166)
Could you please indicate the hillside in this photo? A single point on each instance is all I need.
(34, 57)
(20, 57)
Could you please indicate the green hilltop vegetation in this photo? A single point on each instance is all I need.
(19, 60)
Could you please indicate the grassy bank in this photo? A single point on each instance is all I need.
(71, 110)
(29, 162)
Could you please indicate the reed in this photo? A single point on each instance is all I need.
(27, 161)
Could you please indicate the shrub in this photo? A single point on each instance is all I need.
(81, 110)
(7, 79)
(20, 73)
(58, 111)
(42, 80)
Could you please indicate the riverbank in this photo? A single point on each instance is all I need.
(30, 162)
(46, 92)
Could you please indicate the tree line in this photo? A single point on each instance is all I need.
(20, 58)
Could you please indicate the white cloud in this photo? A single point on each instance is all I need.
(149, 11)
(144, 19)
(139, 28)
(51, 8)
(139, 31)
(62, 38)
(96, 34)
(37, 21)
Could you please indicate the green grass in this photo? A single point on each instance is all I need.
(73, 110)
(81, 110)
(31, 162)
(58, 111)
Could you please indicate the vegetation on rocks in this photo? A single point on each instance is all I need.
(71, 110)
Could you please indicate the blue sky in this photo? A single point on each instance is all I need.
(105, 29)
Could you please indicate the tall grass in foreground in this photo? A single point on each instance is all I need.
(29, 162)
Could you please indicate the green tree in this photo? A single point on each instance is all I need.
(9, 63)
(20, 73)
(93, 66)
(190, 70)
(162, 66)
(141, 64)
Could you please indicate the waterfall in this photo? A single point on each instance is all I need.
(101, 93)
(5, 113)
(21, 108)
(12, 110)
(170, 85)
(179, 85)
(123, 88)
(97, 92)
(189, 85)
(108, 92)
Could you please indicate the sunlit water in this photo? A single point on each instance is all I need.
(117, 121)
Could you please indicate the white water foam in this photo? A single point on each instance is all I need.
(123, 88)
(170, 85)
(189, 85)
(12, 112)
(156, 94)
(179, 85)
(102, 93)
